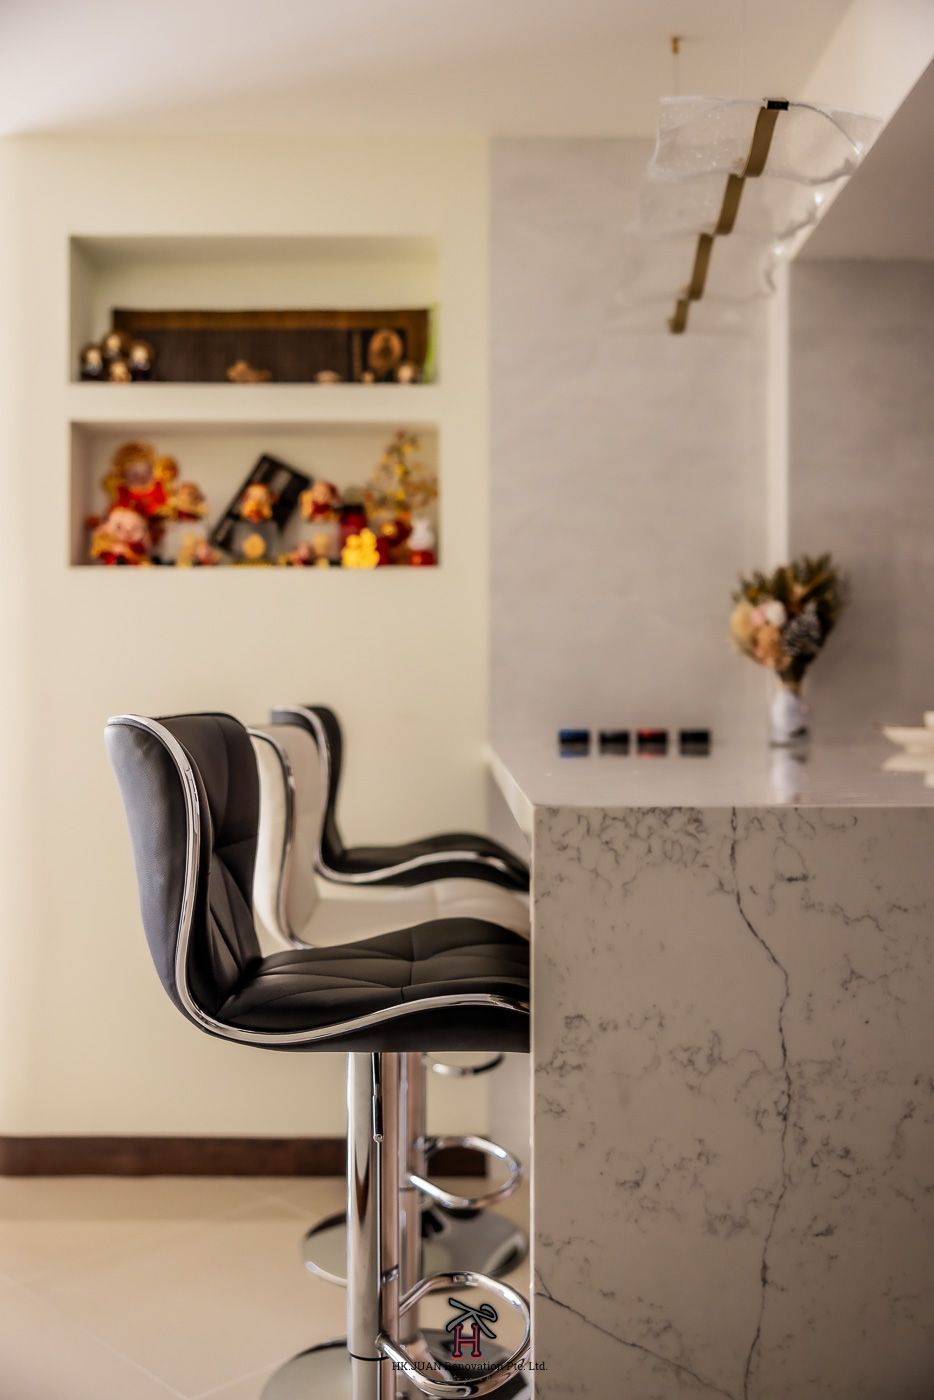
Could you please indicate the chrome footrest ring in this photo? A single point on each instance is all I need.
(483, 1382)
(448, 1199)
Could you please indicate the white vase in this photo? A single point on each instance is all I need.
(789, 717)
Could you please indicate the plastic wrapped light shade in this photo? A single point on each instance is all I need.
(769, 209)
(712, 135)
(718, 318)
(661, 268)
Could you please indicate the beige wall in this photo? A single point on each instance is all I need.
(628, 467)
(88, 1041)
(877, 52)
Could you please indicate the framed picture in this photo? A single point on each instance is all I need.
(284, 483)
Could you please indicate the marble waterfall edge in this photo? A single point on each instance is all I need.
(734, 1104)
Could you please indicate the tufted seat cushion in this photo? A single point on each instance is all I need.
(363, 859)
(345, 914)
(314, 987)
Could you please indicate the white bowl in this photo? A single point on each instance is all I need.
(917, 739)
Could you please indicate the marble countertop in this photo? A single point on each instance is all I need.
(531, 773)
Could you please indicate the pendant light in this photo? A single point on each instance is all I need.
(755, 173)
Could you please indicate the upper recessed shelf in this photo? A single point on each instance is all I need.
(245, 274)
(143, 406)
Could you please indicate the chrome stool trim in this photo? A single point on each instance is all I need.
(463, 1071)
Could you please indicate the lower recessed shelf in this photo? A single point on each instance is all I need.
(216, 458)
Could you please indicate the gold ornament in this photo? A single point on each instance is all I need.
(254, 549)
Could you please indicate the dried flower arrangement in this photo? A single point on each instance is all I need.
(401, 483)
(783, 619)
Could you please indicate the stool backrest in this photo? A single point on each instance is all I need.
(324, 728)
(191, 794)
(293, 793)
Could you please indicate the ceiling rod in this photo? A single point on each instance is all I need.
(759, 148)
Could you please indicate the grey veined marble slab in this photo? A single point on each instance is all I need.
(733, 1060)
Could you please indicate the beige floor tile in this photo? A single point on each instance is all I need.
(43, 1356)
(208, 1305)
(247, 1388)
(143, 1290)
(314, 1195)
(53, 1223)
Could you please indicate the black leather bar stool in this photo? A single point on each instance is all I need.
(299, 910)
(190, 790)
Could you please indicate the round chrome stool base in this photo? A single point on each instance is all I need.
(483, 1243)
(323, 1372)
(320, 1373)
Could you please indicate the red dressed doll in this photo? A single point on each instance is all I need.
(320, 502)
(122, 538)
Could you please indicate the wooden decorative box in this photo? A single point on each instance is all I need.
(294, 346)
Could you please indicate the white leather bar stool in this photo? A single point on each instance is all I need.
(443, 870)
(298, 909)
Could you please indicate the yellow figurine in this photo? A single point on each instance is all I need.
(360, 551)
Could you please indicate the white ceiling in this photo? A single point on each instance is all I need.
(499, 66)
(887, 209)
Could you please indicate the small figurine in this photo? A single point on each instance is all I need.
(123, 538)
(196, 553)
(138, 479)
(186, 505)
(300, 557)
(188, 502)
(166, 469)
(115, 346)
(323, 547)
(396, 533)
(92, 363)
(407, 373)
(242, 372)
(422, 544)
(140, 358)
(256, 503)
(320, 501)
(352, 515)
(361, 551)
(310, 554)
(118, 372)
(256, 537)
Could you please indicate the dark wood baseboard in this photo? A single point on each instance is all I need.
(189, 1156)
